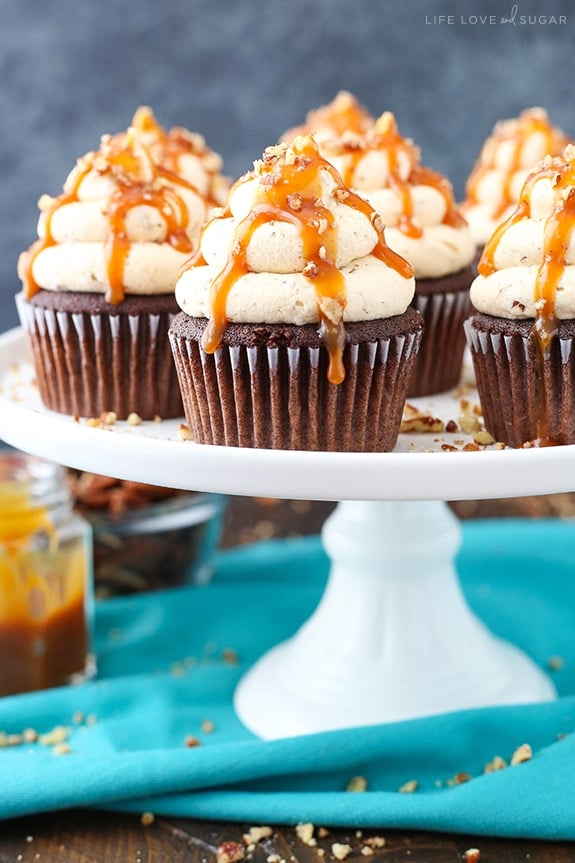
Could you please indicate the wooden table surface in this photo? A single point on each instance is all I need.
(99, 837)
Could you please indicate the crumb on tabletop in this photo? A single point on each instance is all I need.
(522, 753)
(304, 831)
(229, 852)
(409, 787)
(340, 850)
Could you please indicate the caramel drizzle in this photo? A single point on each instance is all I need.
(292, 193)
(518, 132)
(556, 238)
(173, 145)
(385, 136)
(132, 191)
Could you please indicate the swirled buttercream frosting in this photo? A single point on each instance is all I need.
(416, 204)
(129, 216)
(507, 157)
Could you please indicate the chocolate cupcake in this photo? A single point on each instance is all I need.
(295, 331)
(97, 295)
(424, 225)
(522, 339)
(507, 157)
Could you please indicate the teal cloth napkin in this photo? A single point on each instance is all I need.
(164, 670)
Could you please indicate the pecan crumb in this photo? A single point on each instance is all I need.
(409, 787)
(375, 842)
(184, 432)
(304, 832)
(469, 424)
(340, 851)
(192, 741)
(108, 418)
(521, 754)
(496, 763)
(451, 426)
(459, 779)
(357, 784)
(483, 438)
(311, 270)
(229, 852)
(256, 834)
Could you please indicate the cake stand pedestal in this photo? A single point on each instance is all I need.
(392, 637)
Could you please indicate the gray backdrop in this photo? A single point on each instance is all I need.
(241, 72)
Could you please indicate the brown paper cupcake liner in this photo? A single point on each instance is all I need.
(438, 366)
(278, 396)
(90, 363)
(524, 396)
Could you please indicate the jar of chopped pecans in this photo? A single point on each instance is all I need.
(147, 537)
(45, 578)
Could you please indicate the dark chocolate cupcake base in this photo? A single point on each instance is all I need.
(444, 304)
(526, 395)
(91, 356)
(266, 385)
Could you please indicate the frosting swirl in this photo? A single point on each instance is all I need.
(294, 246)
(527, 269)
(423, 223)
(506, 159)
(129, 216)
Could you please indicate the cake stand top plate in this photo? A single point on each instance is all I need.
(418, 469)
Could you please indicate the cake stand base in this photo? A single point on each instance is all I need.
(392, 637)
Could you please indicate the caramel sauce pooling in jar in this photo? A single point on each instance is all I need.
(142, 177)
(290, 190)
(45, 579)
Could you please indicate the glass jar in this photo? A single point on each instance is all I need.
(168, 543)
(46, 603)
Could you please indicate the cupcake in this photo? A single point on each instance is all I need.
(98, 284)
(506, 159)
(521, 340)
(423, 225)
(343, 114)
(296, 330)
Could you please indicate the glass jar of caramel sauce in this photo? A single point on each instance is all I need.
(46, 601)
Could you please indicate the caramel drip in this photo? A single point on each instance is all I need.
(134, 189)
(518, 133)
(292, 193)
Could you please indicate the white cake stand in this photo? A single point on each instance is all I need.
(392, 637)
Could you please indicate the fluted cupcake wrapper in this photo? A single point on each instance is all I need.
(438, 366)
(280, 398)
(87, 364)
(525, 396)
